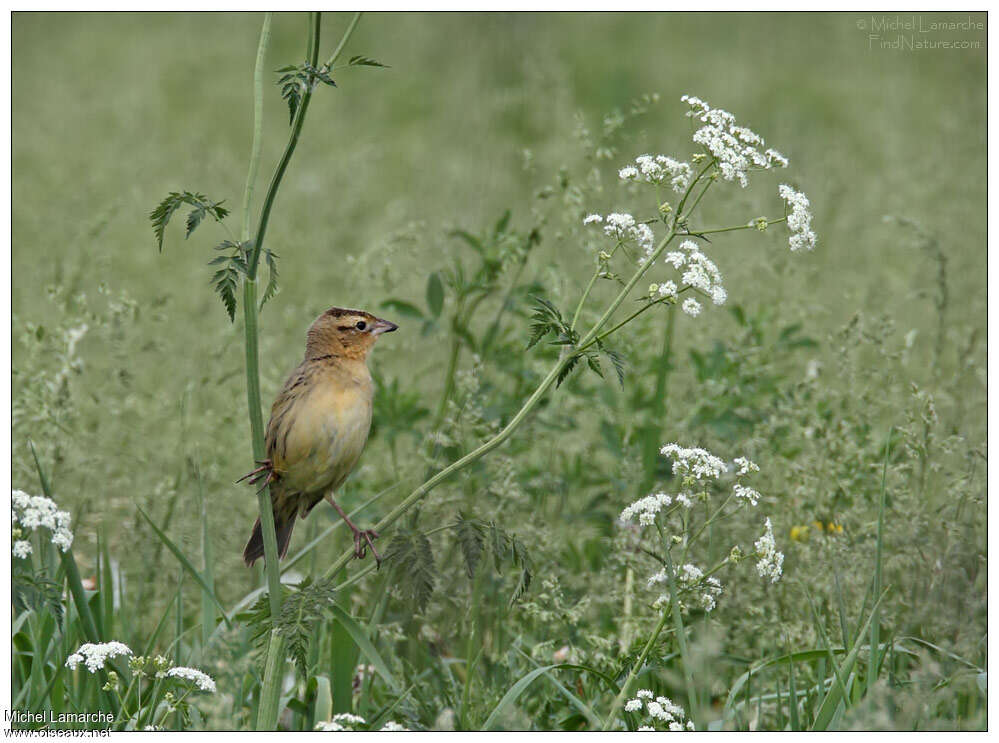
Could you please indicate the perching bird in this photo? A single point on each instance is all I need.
(319, 425)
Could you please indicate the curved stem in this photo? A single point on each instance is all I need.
(289, 150)
(626, 687)
(343, 41)
(258, 126)
(697, 233)
(459, 464)
(251, 330)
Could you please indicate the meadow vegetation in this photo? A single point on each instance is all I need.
(448, 192)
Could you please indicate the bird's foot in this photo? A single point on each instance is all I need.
(264, 472)
(364, 538)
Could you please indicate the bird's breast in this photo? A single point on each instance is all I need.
(328, 437)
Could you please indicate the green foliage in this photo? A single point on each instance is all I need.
(303, 608)
(411, 556)
(200, 207)
(295, 80)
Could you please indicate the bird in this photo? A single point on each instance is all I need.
(318, 427)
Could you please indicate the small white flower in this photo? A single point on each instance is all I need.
(666, 289)
(675, 727)
(736, 148)
(629, 173)
(633, 705)
(21, 549)
(745, 466)
(201, 679)
(93, 656)
(799, 221)
(646, 508)
(393, 727)
(684, 500)
(694, 461)
(691, 306)
(644, 694)
(745, 493)
(646, 729)
(771, 562)
(593, 219)
(34, 511)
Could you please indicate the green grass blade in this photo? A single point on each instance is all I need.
(359, 637)
(323, 710)
(513, 693)
(584, 709)
(873, 663)
(185, 564)
(836, 695)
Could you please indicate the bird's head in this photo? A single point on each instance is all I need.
(345, 333)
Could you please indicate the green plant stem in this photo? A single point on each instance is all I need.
(258, 124)
(251, 331)
(289, 150)
(698, 233)
(681, 638)
(460, 464)
(343, 41)
(626, 686)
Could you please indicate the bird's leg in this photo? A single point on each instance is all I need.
(363, 538)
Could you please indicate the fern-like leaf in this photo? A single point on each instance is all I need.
(359, 61)
(272, 276)
(201, 206)
(471, 539)
(301, 611)
(413, 557)
(567, 370)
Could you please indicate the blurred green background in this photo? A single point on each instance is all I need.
(476, 114)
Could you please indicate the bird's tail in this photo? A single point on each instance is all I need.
(284, 523)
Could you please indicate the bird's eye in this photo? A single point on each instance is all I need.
(361, 325)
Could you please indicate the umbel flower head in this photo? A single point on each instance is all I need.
(200, 679)
(34, 511)
(662, 712)
(737, 149)
(771, 561)
(95, 655)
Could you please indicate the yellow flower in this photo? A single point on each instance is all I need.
(799, 533)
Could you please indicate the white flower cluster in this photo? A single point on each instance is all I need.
(736, 148)
(393, 727)
(771, 562)
(695, 462)
(660, 709)
(799, 221)
(32, 511)
(699, 272)
(660, 170)
(624, 228)
(201, 679)
(745, 466)
(743, 492)
(343, 721)
(666, 290)
(94, 656)
(646, 508)
(689, 579)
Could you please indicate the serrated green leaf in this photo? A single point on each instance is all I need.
(358, 61)
(471, 540)
(412, 556)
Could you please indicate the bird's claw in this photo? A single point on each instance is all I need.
(264, 472)
(364, 538)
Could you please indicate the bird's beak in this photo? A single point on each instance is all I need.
(383, 326)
